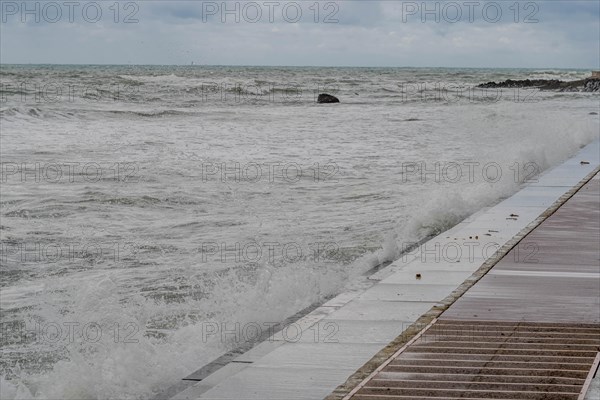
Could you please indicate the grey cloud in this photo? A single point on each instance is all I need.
(369, 33)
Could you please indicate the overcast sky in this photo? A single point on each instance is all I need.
(536, 34)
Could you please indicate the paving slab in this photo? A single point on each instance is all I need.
(367, 310)
(407, 293)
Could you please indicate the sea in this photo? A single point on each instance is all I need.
(154, 218)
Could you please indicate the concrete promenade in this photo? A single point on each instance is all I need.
(529, 329)
(542, 269)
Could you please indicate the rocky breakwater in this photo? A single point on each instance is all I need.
(582, 85)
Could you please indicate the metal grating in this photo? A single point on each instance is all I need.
(489, 360)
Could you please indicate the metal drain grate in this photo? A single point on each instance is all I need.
(489, 360)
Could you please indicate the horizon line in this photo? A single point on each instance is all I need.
(296, 66)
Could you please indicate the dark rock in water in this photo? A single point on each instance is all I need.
(582, 85)
(327, 98)
(591, 85)
(593, 113)
(509, 83)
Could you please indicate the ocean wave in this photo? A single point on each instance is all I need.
(150, 114)
(32, 113)
(156, 79)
